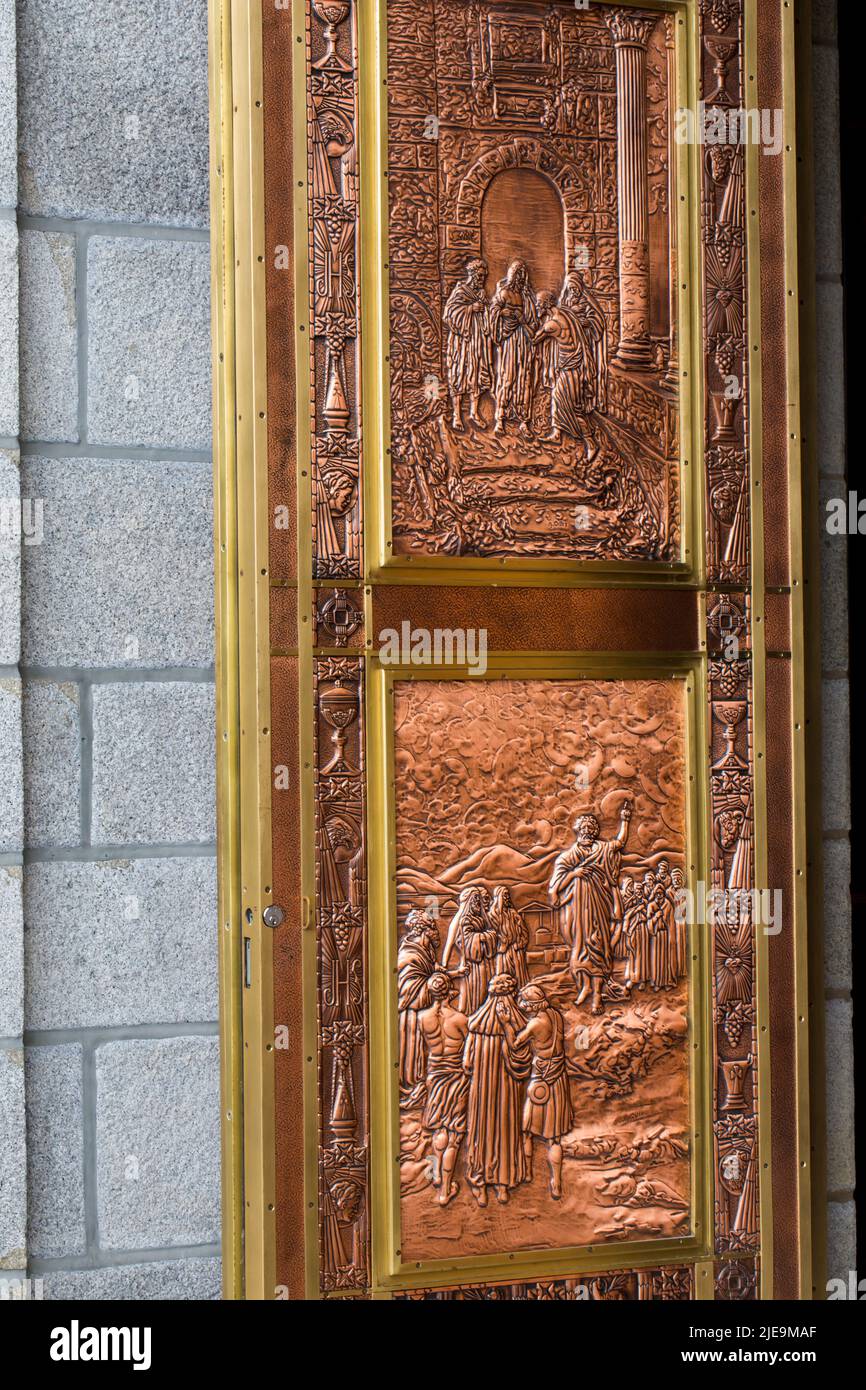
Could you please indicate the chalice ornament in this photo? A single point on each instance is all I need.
(339, 709)
(721, 51)
(332, 13)
(730, 715)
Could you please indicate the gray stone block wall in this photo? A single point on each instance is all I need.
(107, 857)
(113, 102)
(13, 1139)
(49, 341)
(836, 780)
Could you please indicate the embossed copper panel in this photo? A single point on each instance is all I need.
(542, 987)
(532, 273)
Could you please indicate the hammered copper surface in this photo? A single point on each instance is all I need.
(280, 291)
(517, 619)
(532, 271)
(777, 619)
(286, 710)
(284, 618)
(774, 360)
(782, 872)
(288, 990)
(542, 991)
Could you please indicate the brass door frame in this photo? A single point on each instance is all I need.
(244, 591)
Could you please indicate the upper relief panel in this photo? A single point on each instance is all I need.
(534, 378)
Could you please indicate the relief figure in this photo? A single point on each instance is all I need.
(416, 962)
(547, 1110)
(512, 938)
(495, 1154)
(661, 971)
(635, 935)
(584, 883)
(544, 270)
(473, 936)
(513, 320)
(444, 1029)
(549, 1041)
(577, 328)
(468, 352)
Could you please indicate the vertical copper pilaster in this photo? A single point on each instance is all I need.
(630, 34)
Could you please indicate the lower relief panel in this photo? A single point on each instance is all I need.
(542, 970)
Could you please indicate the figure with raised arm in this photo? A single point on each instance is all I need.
(585, 885)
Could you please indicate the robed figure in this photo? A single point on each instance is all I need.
(584, 883)
(495, 1155)
(681, 938)
(578, 328)
(512, 937)
(660, 925)
(513, 320)
(638, 968)
(416, 962)
(472, 937)
(468, 350)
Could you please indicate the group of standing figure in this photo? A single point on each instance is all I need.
(653, 941)
(604, 920)
(482, 1047)
(518, 345)
(488, 1046)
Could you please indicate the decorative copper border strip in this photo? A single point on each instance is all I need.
(341, 950)
(732, 878)
(725, 270)
(729, 644)
(670, 1285)
(334, 288)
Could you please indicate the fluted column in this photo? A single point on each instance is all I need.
(630, 34)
